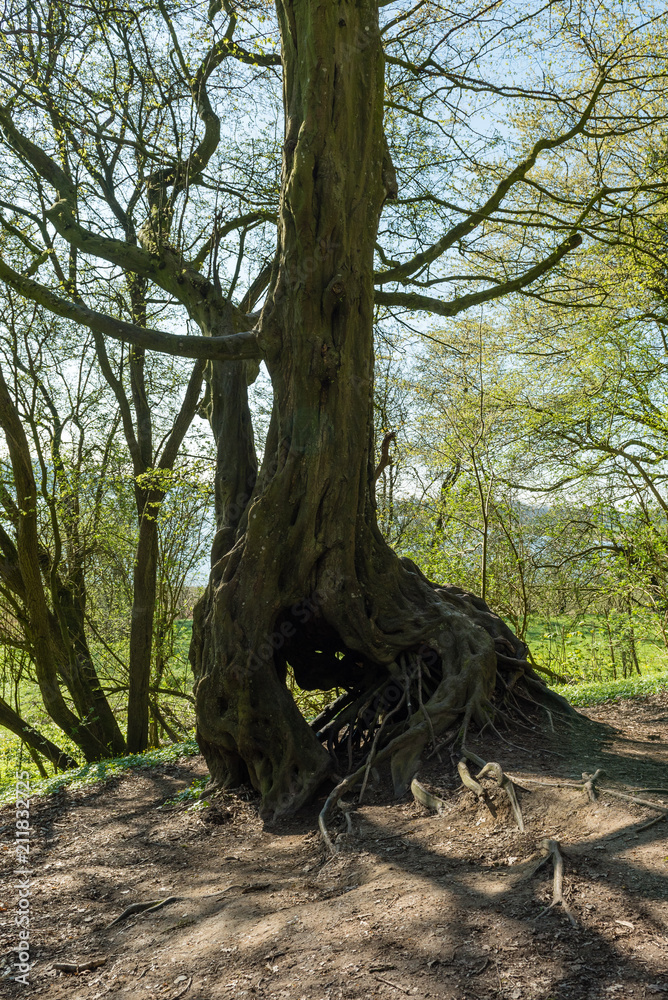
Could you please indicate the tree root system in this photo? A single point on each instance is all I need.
(416, 700)
(552, 852)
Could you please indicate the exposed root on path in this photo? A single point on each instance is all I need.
(148, 907)
(589, 785)
(504, 782)
(468, 781)
(590, 782)
(496, 772)
(651, 822)
(552, 852)
(426, 798)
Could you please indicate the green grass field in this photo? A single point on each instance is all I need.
(588, 648)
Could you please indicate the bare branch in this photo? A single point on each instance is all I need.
(235, 347)
(413, 300)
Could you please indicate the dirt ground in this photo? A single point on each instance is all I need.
(414, 903)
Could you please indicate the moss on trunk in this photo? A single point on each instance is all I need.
(302, 575)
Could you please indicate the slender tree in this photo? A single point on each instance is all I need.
(45, 538)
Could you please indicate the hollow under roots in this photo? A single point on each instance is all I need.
(421, 666)
(418, 699)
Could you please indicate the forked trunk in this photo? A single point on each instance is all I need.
(301, 574)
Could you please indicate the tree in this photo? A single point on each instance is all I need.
(45, 541)
(470, 522)
(112, 122)
(595, 417)
(78, 543)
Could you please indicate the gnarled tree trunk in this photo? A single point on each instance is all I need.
(301, 573)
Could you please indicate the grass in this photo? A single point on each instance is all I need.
(590, 648)
(102, 770)
(596, 692)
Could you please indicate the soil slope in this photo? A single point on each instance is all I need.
(413, 904)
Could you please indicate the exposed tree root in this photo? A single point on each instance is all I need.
(590, 782)
(333, 799)
(426, 798)
(587, 784)
(495, 771)
(551, 848)
(377, 738)
(504, 782)
(75, 968)
(468, 781)
(633, 798)
(148, 907)
(651, 822)
(419, 701)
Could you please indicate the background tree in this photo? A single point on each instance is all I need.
(51, 515)
(471, 525)
(87, 530)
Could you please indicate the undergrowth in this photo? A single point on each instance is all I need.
(596, 692)
(102, 770)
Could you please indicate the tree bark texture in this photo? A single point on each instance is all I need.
(144, 595)
(305, 576)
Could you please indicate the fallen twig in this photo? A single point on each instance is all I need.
(553, 852)
(77, 967)
(388, 983)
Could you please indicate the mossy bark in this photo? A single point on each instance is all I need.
(301, 574)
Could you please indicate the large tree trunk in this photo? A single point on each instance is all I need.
(303, 575)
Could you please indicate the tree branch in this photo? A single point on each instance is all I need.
(412, 300)
(466, 226)
(234, 347)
